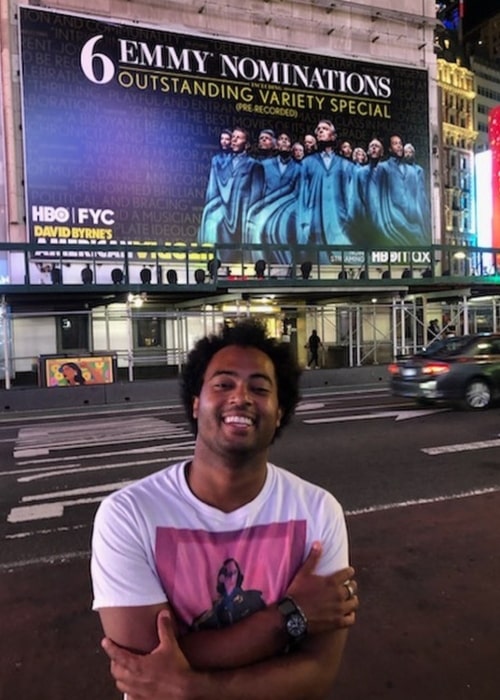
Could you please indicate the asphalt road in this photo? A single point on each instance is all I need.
(421, 490)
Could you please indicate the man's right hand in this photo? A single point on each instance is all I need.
(326, 600)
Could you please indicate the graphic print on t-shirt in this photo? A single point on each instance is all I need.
(213, 579)
(233, 602)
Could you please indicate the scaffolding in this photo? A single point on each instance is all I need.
(151, 342)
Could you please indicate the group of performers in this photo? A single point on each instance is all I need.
(313, 192)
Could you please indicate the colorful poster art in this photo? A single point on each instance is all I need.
(138, 135)
(77, 371)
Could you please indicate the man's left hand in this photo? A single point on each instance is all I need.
(164, 674)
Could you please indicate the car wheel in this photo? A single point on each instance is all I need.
(477, 395)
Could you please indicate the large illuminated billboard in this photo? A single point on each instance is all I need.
(484, 199)
(135, 134)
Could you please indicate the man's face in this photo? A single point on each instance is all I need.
(375, 149)
(237, 409)
(346, 149)
(225, 141)
(238, 141)
(284, 142)
(409, 153)
(266, 142)
(396, 146)
(228, 576)
(298, 151)
(325, 132)
(309, 143)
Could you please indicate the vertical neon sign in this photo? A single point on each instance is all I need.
(494, 139)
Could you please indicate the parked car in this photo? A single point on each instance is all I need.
(464, 370)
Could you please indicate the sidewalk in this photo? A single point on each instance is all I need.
(427, 628)
(150, 391)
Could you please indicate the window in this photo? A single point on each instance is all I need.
(73, 333)
(148, 333)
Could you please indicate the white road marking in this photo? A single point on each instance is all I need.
(422, 501)
(22, 514)
(398, 415)
(45, 474)
(164, 447)
(461, 447)
(303, 407)
(33, 441)
(76, 555)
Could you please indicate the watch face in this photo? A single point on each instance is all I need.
(295, 625)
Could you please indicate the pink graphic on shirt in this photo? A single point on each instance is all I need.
(213, 579)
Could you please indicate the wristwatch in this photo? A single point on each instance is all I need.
(295, 620)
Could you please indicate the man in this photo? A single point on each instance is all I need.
(365, 225)
(272, 220)
(346, 149)
(218, 178)
(161, 544)
(314, 344)
(310, 144)
(418, 203)
(324, 193)
(402, 224)
(298, 152)
(241, 187)
(266, 144)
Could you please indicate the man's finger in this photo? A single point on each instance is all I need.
(343, 576)
(312, 558)
(119, 656)
(165, 628)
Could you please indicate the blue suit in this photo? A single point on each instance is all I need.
(365, 226)
(272, 220)
(403, 212)
(225, 217)
(323, 201)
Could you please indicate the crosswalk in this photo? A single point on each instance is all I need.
(62, 465)
(36, 441)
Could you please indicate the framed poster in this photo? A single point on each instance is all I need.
(66, 370)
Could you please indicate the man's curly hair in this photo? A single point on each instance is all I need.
(247, 333)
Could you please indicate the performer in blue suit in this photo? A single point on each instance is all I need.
(224, 220)
(218, 179)
(273, 219)
(419, 210)
(365, 227)
(324, 193)
(401, 225)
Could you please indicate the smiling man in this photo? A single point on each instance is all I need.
(225, 575)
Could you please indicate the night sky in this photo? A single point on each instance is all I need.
(476, 11)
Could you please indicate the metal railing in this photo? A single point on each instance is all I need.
(204, 268)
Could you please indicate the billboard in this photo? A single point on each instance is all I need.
(494, 139)
(136, 134)
(483, 200)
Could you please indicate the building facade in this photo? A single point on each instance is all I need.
(63, 128)
(457, 92)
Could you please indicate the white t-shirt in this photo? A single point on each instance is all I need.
(154, 541)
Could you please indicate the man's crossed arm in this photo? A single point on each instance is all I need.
(235, 657)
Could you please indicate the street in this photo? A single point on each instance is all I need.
(420, 487)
